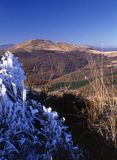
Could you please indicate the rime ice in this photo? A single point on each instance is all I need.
(28, 129)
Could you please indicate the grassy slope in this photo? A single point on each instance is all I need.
(79, 82)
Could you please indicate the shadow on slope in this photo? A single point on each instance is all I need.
(76, 109)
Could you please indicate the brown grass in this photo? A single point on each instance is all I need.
(103, 113)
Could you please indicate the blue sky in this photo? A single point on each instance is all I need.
(92, 22)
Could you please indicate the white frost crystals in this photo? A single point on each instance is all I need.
(28, 130)
(12, 74)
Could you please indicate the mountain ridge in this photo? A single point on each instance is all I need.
(39, 44)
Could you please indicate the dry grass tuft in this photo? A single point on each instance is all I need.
(103, 112)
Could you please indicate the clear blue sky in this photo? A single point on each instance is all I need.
(92, 22)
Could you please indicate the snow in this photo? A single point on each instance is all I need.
(29, 130)
(2, 88)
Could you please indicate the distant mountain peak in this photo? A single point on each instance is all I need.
(48, 45)
(5, 46)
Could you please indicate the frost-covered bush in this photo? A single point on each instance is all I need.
(28, 130)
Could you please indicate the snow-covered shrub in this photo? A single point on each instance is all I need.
(28, 130)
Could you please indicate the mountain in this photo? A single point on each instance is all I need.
(5, 46)
(47, 45)
(43, 59)
(46, 61)
(106, 48)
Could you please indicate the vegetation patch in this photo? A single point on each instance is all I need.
(70, 85)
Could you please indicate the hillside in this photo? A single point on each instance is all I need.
(45, 60)
(47, 45)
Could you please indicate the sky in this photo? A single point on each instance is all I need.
(91, 22)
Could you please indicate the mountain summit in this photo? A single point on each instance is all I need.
(38, 44)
